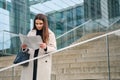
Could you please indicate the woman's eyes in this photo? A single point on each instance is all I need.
(39, 23)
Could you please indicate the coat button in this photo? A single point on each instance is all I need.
(46, 61)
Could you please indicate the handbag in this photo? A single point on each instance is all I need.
(22, 56)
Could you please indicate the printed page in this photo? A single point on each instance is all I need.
(31, 41)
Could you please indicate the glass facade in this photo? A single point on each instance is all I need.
(18, 18)
(16, 15)
(20, 21)
(99, 9)
(92, 9)
(114, 8)
(63, 21)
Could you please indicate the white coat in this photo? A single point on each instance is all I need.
(43, 67)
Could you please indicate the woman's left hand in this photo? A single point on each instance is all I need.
(43, 45)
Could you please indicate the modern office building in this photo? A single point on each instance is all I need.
(15, 18)
(65, 20)
(19, 14)
(92, 9)
(106, 11)
(20, 20)
(63, 15)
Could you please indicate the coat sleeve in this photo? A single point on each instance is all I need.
(51, 43)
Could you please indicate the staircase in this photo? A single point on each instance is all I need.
(89, 61)
(84, 62)
(12, 73)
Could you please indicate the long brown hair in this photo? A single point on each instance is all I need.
(45, 34)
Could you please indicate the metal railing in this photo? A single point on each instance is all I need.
(76, 33)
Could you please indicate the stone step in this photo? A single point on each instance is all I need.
(78, 56)
(7, 58)
(11, 72)
(99, 54)
(88, 69)
(83, 58)
(86, 64)
(95, 46)
(89, 36)
(79, 52)
(10, 78)
(93, 59)
(97, 43)
(87, 53)
(87, 76)
(15, 73)
(70, 56)
(6, 61)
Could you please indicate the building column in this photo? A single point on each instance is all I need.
(104, 12)
(19, 21)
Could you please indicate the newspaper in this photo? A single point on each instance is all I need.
(31, 41)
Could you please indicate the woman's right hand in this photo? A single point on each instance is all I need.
(23, 46)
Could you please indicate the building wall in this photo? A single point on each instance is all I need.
(96, 9)
(65, 20)
(21, 20)
(15, 18)
(114, 8)
(92, 9)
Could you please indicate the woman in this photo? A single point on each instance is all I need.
(40, 69)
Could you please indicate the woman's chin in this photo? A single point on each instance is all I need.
(39, 29)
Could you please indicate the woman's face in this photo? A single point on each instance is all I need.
(39, 24)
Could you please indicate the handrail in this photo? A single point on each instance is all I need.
(55, 52)
(114, 22)
(74, 29)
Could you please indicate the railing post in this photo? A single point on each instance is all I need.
(3, 44)
(13, 74)
(108, 57)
